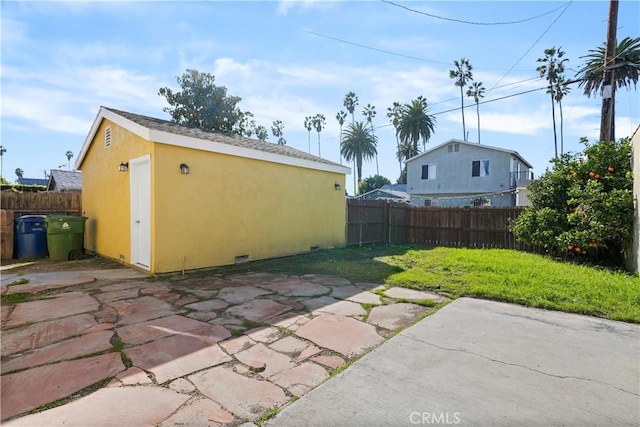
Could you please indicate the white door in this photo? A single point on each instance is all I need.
(140, 175)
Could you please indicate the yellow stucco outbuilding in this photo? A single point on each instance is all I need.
(164, 197)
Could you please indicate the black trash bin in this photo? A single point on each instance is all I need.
(31, 237)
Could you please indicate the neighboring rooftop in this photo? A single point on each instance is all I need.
(61, 181)
(32, 181)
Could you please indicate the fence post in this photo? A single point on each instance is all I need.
(466, 226)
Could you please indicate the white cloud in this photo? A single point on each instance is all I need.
(285, 5)
(44, 108)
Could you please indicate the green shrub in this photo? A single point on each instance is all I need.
(583, 206)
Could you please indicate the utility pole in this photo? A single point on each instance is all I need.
(2, 151)
(607, 119)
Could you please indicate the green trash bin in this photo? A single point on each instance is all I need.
(65, 236)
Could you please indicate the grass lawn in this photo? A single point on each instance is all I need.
(496, 274)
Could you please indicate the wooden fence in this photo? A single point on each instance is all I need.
(380, 221)
(41, 203)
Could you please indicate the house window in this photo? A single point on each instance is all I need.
(428, 171)
(107, 137)
(427, 203)
(453, 148)
(480, 168)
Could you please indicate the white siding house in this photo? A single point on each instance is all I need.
(459, 173)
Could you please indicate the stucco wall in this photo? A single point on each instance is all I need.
(230, 206)
(226, 207)
(106, 193)
(634, 262)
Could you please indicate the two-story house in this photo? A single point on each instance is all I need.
(459, 173)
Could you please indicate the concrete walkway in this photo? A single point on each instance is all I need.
(113, 348)
(486, 363)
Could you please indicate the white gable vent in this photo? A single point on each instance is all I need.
(107, 137)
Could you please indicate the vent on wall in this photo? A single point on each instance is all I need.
(242, 258)
(107, 137)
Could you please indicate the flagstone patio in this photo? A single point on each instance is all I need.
(193, 351)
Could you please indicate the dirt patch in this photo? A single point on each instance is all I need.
(45, 265)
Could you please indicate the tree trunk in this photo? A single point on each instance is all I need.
(399, 160)
(478, 112)
(340, 145)
(319, 154)
(561, 129)
(464, 128)
(553, 115)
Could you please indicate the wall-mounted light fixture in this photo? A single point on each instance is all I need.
(123, 167)
(337, 186)
(184, 168)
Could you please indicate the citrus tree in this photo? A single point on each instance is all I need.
(583, 205)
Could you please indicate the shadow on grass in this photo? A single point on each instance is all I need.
(355, 263)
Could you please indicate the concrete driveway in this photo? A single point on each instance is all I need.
(486, 363)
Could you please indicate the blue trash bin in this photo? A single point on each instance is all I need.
(31, 237)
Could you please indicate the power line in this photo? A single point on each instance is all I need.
(388, 52)
(462, 21)
(535, 42)
(374, 48)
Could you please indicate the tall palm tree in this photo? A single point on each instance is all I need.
(369, 112)
(350, 103)
(415, 124)
(463, 75)
(340, 117)
(308, 125)
(559, 91)
(626, 64)
(393, 113)
(551, 66)
(319, 121)
(476, 90)
(358, 144)
(69, 155)
(277, 129)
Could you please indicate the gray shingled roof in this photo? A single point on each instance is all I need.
(65, 181)
(238, 141)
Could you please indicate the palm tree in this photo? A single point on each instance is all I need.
(462, 74)
(552, 66)
(308, 125)
(358, 144)
(393, 113)
(277, 129)
(350, 102)
(69, 155)
(559, 91)
(415, 124)
(476, 90)
(340, 116)
(369, 112)
(319, 122)
(19, 174)
(626, 64)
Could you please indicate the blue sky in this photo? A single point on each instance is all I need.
(62, 60)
